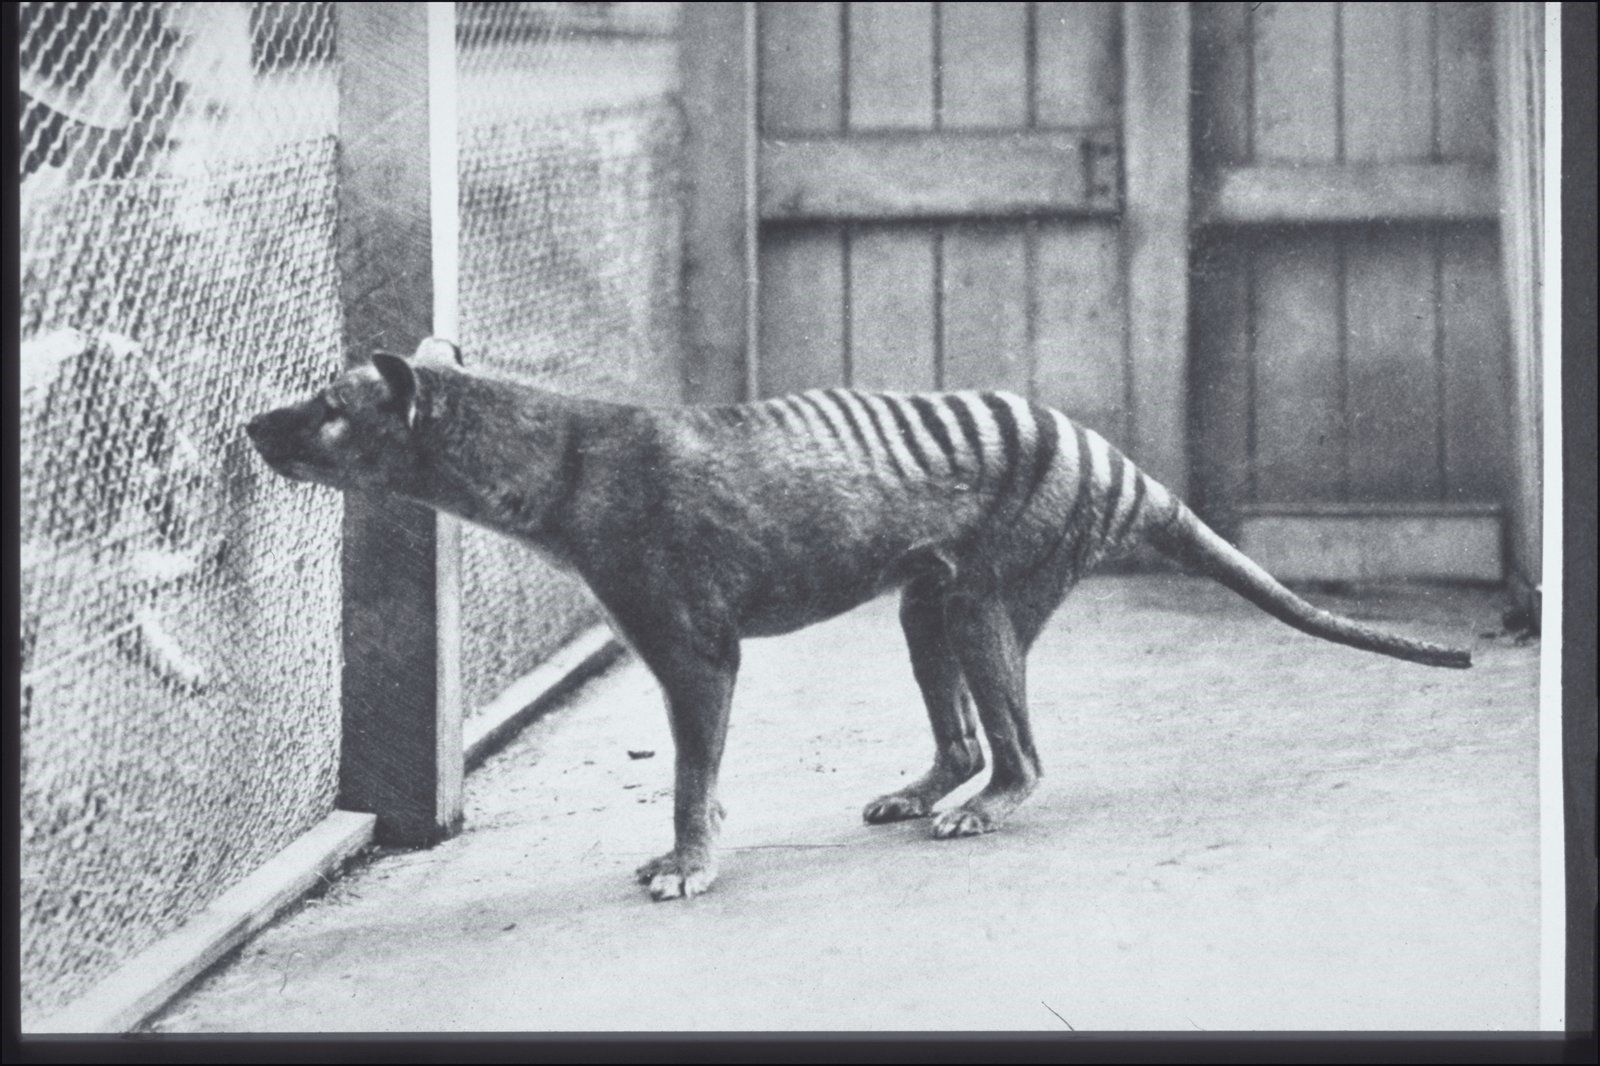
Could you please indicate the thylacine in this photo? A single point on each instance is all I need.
(698, 526)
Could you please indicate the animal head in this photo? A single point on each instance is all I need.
(360, 431)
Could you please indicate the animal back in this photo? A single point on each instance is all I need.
(993, 466)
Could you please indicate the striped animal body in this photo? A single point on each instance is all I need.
(696, 527)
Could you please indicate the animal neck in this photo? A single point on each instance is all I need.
(507, 458)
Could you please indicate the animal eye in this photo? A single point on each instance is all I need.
(331, 410)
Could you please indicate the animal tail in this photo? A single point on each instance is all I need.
(1178, 533)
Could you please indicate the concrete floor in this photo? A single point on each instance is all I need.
(1240, 827)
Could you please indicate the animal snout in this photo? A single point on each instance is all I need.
(269, 432)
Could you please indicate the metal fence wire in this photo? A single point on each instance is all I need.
(569, 259)
(180, 605)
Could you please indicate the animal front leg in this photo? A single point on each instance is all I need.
(699, 693)
(957, 755)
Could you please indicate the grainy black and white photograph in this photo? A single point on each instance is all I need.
(805, 517)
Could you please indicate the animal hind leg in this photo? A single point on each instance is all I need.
(1029, 608)
(992, 660)
(957, 756)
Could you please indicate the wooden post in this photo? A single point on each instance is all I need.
(1155, 227)
(1519, 84)
(401, 756)
(719, 273)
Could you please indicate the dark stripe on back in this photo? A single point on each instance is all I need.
(812, 403)
(936, 426)
(793, 406)
(1044, 453)
(907, 434)
(1009, 440)
(729, 414)
(969, 429)
(1081, 509)
(1133, 510)
(872, 416)
(779, 413)
(1113, 492)
(850, 417)
(1083, 545)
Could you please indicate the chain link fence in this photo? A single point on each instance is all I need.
(180, 606)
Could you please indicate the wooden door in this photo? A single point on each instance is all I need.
(938, 201)
(949, 195)
(944, 195)
(1350, 336)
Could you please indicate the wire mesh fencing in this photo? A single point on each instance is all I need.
(569, 269)
(179, 610)
(180, 605)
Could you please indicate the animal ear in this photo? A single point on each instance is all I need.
(439, 350)
(402, 381)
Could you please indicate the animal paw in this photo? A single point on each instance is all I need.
(672, 876)
(896, 807)
(963, 822)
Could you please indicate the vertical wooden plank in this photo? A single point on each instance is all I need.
(1080, 333)
(1155, 136)
(1520, 86)
(1466, 81)
(893, 332)
(802, 309)
(985, 307)
(1296, 86)
(1387, 64)
(1222, 381)
(717, 226)
(400, 757)
(802, 67)
(1476, 351)
(1390, 364)
(1078, 78)
(1222, 82)
(1299, 452)
(983, 51)
(891, 68)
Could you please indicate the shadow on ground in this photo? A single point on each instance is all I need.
(1239, 827)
